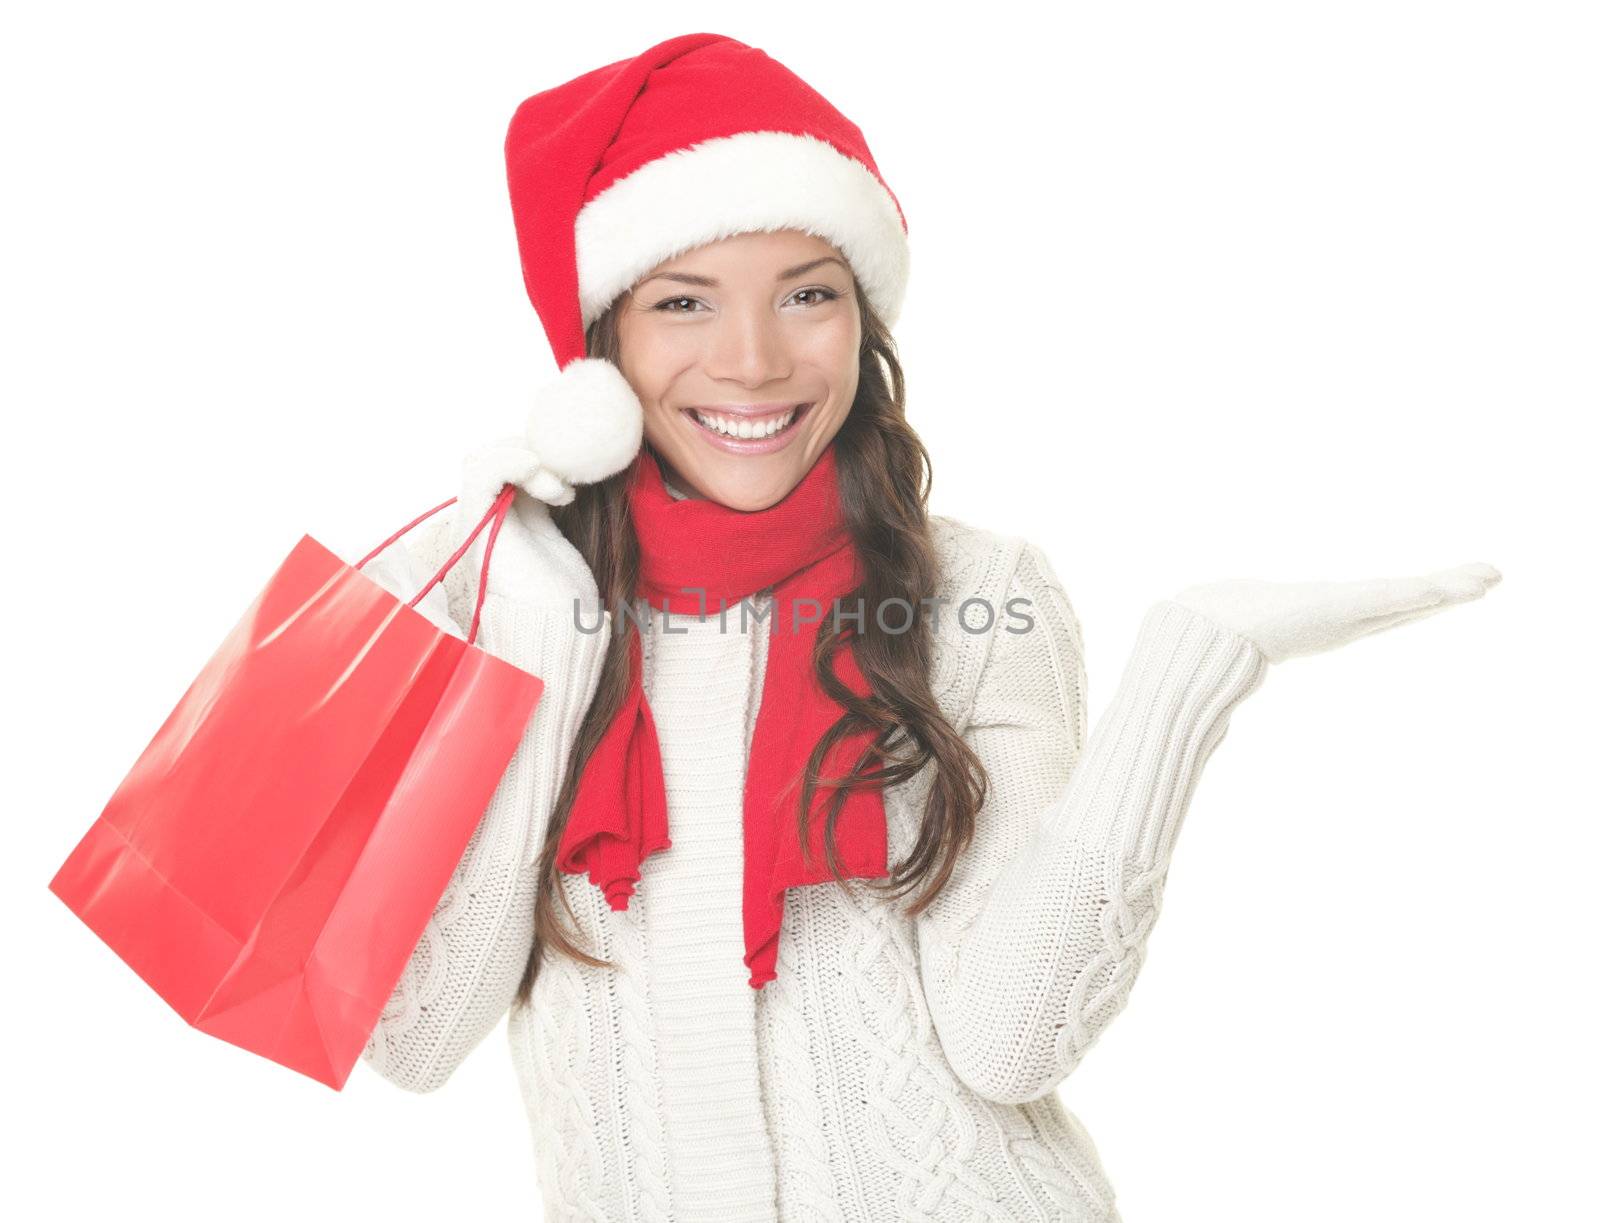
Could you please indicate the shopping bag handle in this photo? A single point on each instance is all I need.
(496, 511)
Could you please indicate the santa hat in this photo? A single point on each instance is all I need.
(694, 140)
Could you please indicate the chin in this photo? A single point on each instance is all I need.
(748, 484)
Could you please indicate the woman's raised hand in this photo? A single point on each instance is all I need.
(532, 563)
(1288, 619)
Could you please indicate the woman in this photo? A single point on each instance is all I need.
(719, 1008)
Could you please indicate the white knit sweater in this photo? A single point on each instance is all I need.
(896, 1069)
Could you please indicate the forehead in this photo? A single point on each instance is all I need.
(756, 252)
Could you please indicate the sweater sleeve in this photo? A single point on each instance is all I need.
(464, 973)
(1033, 945)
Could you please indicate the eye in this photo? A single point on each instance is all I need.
(672, 301)
(825, 294)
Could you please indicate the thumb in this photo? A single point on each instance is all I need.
(1464, 582)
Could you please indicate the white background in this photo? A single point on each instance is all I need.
(1280, 290)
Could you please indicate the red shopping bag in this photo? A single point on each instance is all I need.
(271, 861)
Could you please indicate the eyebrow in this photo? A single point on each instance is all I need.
(710, 282)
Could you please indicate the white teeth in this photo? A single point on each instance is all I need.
(730, 426)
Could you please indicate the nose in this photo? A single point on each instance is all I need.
(747, 346)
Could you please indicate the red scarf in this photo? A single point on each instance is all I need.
(802, 549)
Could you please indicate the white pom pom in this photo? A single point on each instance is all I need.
(587, 424)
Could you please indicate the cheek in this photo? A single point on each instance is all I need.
(844, 354)
(834, 348)
(654, 367)
(653, 349)
(659, 422)
(647, 361)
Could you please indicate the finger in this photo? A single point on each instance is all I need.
(1377, 624)
(1379, 597)
(1457, 585)
(1465, 581)
(550, 488)
(532, 516)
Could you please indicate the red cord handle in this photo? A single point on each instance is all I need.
(497, 511)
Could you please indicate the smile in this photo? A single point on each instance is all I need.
(745, 434)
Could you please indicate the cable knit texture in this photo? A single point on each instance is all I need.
(897, 1068)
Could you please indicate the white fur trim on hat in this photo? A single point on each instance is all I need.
(753, 181)
(585, 425)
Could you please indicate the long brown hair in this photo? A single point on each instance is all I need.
(884, 477)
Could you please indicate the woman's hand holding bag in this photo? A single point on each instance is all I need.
(1288, 619)
(584, 426)
(532, 562)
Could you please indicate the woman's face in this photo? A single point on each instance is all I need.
(754, 333)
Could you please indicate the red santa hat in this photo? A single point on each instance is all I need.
(694, 140)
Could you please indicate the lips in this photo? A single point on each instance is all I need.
(721, 426)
